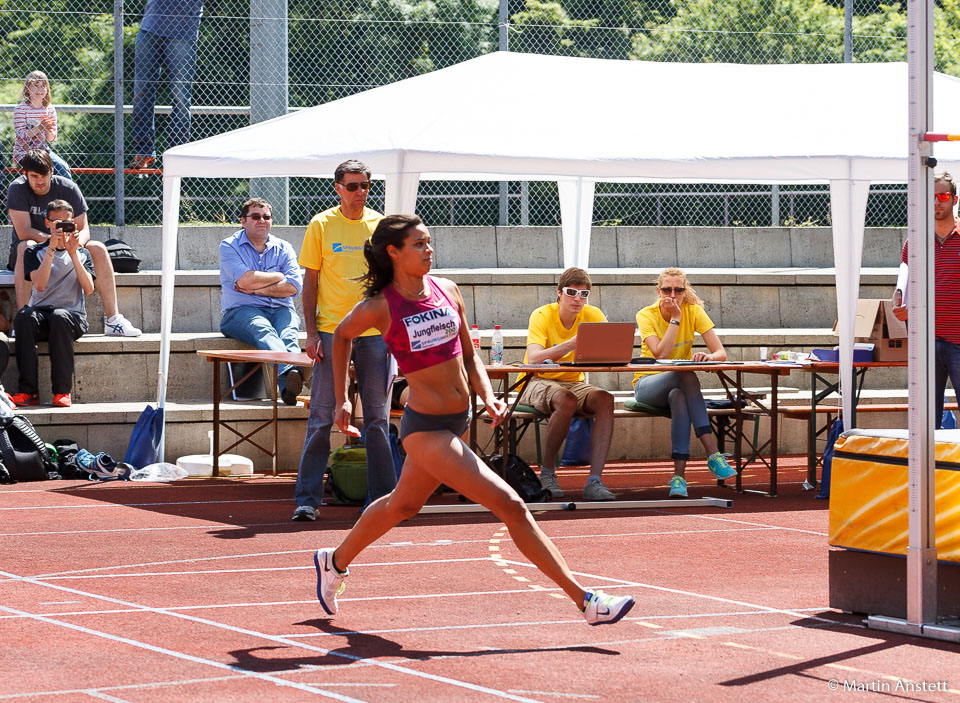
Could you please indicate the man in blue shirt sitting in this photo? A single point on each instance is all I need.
(259, 279)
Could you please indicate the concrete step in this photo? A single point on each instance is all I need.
(118, 369)
(733, 297)
(525, 247)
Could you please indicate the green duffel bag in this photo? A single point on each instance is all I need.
(347, 474)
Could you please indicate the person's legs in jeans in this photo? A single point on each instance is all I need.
(316, 443)
(262, 328)
(946, 362)
(180, 61)
(372, 362)
(60, 167)
(64, 328)
(663, 390)
(148, 53)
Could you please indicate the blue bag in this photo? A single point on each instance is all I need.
(144, 447)
(836, 429)
(576, 448)
(949, 420)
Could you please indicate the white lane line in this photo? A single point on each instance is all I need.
(432, 543)
(104, 697)
(87, 506)
(538, 623)
(178, 655)
(255, 634)
(199, 572)
(555, 694)
(756, 524)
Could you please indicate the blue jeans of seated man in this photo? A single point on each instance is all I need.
(946, 362)
(679, 391)
(60, 167)
(178, 58)
(273, 329)
(371, 361)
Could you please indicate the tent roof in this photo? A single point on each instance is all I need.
(533, 116)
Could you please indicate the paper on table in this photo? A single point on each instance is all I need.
(902, 278)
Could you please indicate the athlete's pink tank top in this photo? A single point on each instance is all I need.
(424, 332)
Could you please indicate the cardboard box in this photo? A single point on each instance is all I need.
(877, 325)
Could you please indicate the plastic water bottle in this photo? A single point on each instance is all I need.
(161, 472)
(475, 338)
(496, 346)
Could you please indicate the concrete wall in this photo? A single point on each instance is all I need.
(542, 247)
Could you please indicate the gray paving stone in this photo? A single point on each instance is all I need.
(761, 246)
(507, 308)
(464, 247)
(750, 306)
(647, 247)
(705, 246)
(529, 247)
(811, 246)
(603, 247)
(882, 246)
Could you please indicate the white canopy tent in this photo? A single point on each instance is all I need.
(578, 121)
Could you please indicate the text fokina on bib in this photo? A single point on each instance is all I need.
(431, 328)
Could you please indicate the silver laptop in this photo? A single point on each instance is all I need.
(604, 343)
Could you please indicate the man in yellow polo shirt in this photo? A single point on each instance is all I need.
(332, 257)
(552, 336)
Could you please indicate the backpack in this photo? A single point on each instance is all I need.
(521, 478)
(347, 474)
(23, 453)
(144, 447)
(122, 256)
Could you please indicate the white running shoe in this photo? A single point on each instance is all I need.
(329, 580)
(120, 327)
(605, 610)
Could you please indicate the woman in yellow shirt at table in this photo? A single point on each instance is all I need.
(667, 328)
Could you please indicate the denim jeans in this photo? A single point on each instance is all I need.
(178, 57)
(371, 360)
(679, 391)
(946, 362)
(60, 167)
(273, 329)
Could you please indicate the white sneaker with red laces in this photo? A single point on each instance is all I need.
(602, 609)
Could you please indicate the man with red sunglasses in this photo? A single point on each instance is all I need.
(946, 243)
(259, 280)
(333, 262)
(552, 337)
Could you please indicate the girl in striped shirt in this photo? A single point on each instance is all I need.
(35, 122)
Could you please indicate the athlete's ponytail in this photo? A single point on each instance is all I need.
(392, 231)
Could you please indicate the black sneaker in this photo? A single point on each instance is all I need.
(292, 387)
(304, 513)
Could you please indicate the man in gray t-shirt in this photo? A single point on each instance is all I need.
(61, 274)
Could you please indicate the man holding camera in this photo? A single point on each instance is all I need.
(27, 200)
(61, 274)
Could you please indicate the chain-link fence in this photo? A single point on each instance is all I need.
(128, 83)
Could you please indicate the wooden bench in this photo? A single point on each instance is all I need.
(525, 416)
(814, 433)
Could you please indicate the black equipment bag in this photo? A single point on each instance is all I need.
(23, 453)
(521, 478)
(122, 256)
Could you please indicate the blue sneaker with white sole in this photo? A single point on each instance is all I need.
(678, 487)
(717, 463)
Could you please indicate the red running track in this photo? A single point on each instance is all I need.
(203, 590)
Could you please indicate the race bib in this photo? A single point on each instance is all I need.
(432, 328)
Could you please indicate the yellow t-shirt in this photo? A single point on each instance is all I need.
(546, 330)
(333, 245)
(693, 319)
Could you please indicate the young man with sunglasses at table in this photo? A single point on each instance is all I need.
(259, 279)
(946, 244)
(333, 261)
(551, 337)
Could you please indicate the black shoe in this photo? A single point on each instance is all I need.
(292, 387)
(304, 513)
